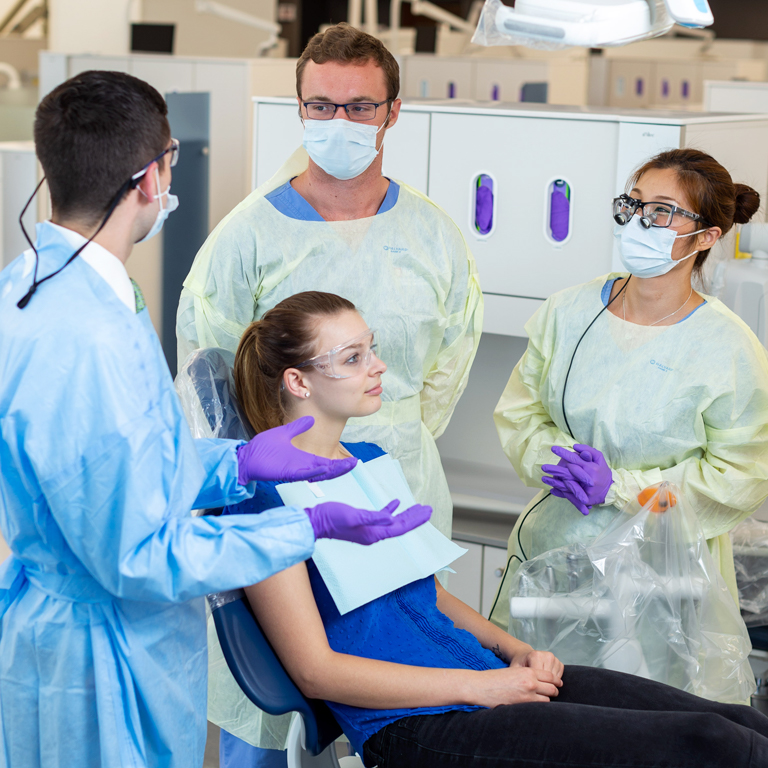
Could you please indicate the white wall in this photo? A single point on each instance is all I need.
(202, 34)
(89, 26)
(103, 26)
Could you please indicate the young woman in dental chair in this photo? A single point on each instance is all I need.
(417, 678)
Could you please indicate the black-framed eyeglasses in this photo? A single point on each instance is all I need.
(653, 214)
(174, 151)
(359, 111)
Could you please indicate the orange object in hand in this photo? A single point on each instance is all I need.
(663, 502)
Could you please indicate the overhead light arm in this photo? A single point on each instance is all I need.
(434, 12)
(241, 17)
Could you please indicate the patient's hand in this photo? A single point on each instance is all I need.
(514, 685)
(540, 660)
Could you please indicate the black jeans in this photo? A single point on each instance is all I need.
(600, 719)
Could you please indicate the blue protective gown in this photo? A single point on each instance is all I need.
(102, 619)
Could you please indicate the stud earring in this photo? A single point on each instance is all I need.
(306, 394)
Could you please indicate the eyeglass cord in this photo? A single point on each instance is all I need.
(37, 283)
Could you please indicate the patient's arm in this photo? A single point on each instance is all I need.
(286, 609)
(509, 649)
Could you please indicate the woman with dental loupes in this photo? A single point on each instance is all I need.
(636, 378)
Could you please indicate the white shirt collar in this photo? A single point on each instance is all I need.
(104, 263)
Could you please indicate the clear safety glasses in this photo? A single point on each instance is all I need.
(653, 214)
(347, 359)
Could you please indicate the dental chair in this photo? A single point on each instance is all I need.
(263, 679)
(206, 389)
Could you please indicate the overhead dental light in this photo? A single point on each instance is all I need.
(585, 23)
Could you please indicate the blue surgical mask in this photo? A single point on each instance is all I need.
(171, 204)
(343, 149)
(648, 252)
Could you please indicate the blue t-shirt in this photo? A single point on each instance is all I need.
(291, 204)
(404, 627)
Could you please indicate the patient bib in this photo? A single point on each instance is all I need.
(357, 574)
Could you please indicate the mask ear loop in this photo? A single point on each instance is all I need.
(130, 184)
(570, 365)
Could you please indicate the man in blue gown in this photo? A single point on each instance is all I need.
(102, 619)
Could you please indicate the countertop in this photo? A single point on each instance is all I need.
(489, 528)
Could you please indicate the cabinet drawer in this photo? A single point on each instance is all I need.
(494, 563)
(466, 583)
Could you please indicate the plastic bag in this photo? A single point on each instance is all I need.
(205, 385)
(555, 24)
(644, 597)
(750, 556)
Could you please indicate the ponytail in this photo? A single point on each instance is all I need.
(282, 339)
(747, 203)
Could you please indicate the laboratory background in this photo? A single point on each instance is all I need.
(536, 126)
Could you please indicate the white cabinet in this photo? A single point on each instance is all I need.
(406, 150)
(496, 80)
(427, 76)
(277, 133)
(524, 157)
(654, 82)
(478, 575)
(494, 565)
(466, 583)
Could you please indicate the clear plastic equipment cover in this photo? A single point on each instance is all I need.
(750, 556)
(555, 24)
(644, 597)
(205, 385)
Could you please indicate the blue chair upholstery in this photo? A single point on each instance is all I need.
(262, 677)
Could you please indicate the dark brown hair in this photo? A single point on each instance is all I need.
(710, 189)
(282, 339)
(92, 133)
(349, 45)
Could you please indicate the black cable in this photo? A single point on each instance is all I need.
(581, 338)
(522, 551)
(506, 570)
(565, 416)
(130, 184)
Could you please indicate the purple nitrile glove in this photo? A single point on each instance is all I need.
(272, 456)
(567, 488)
(585, 465)
(334, 520)
(570, 497)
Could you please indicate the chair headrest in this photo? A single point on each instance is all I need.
(205, 385)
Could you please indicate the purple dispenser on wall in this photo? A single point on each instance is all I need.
(559, 210)
(483, 204)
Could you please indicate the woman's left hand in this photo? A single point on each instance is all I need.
(582, 476)
(539, 660)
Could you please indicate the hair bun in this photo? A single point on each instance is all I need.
(747, 203)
